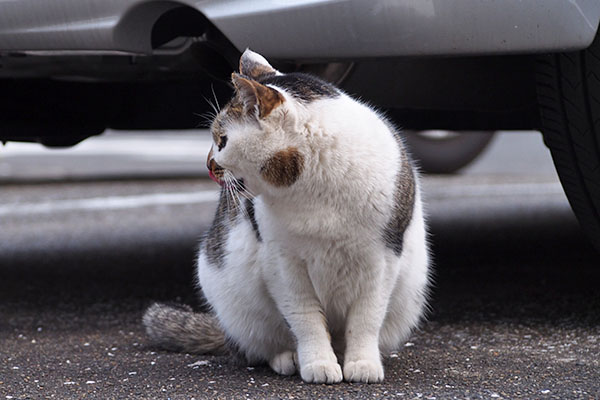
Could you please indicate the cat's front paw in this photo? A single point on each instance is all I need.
(284, 363)
(321, 371)
(365, 371)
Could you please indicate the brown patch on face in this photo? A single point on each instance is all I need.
(252, 93)
(235, 109)
(217, 131)
(283, 168)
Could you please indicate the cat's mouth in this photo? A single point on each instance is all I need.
(215, 171)
(212, 176)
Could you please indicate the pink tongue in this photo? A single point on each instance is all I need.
(214, 178)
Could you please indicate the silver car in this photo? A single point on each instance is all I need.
(69, 69)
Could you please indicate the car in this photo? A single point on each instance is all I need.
(445, 152)
(69, 69)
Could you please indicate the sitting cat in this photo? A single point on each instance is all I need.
(327, 256)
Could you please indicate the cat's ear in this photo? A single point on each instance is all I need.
(257, 99)
(255, 66)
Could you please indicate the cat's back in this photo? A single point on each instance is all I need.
(360, 133)
(330, 113)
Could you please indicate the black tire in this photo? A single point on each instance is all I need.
(568, 90)
(447, 154)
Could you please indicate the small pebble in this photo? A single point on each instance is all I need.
(199, 363)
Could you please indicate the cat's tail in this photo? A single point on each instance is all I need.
(179, 328)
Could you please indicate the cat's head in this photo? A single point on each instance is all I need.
(256, 135)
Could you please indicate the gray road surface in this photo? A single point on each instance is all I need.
(515, 306)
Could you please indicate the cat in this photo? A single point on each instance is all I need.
(317, 256)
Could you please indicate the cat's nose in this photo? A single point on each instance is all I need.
(212, 165)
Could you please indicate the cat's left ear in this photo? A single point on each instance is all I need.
(255, 66)
(257, 99)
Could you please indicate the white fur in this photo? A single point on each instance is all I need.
(257, 58)
(322, 278)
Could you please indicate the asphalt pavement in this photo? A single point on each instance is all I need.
(91, 236)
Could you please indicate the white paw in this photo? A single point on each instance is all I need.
(284, 363)
(321, 371)
(365, 371)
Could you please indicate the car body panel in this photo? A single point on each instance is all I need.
(309, 29)
(355, 28)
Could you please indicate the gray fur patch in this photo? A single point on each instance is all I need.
(214, 241)
(226, 216)
(239, 357)
(255, 70)
(404, 197)
(252, 217)
(302, 86)
(180, 329)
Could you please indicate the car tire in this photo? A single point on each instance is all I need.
(568, 91)
(445, 152)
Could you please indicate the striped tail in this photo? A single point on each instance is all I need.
(179, 328)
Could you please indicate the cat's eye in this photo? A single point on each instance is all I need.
(222, 143)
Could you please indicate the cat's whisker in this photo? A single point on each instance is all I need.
(236, 190)
(240, 192)
(232, 200)
(208, 115)
(227, 195)
(212, 105)
(207, 118)
(231, 204)
(212, 88)
(243, 190)
(207, 112)
(234, 197)
(246, 195)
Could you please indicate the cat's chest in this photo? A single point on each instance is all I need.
(336, 258)
(337, 271)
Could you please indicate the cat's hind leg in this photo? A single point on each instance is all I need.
(284, 363)
(409, 296)
(397, 296)
(239, 298)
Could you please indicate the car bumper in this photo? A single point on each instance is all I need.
(310, 29)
